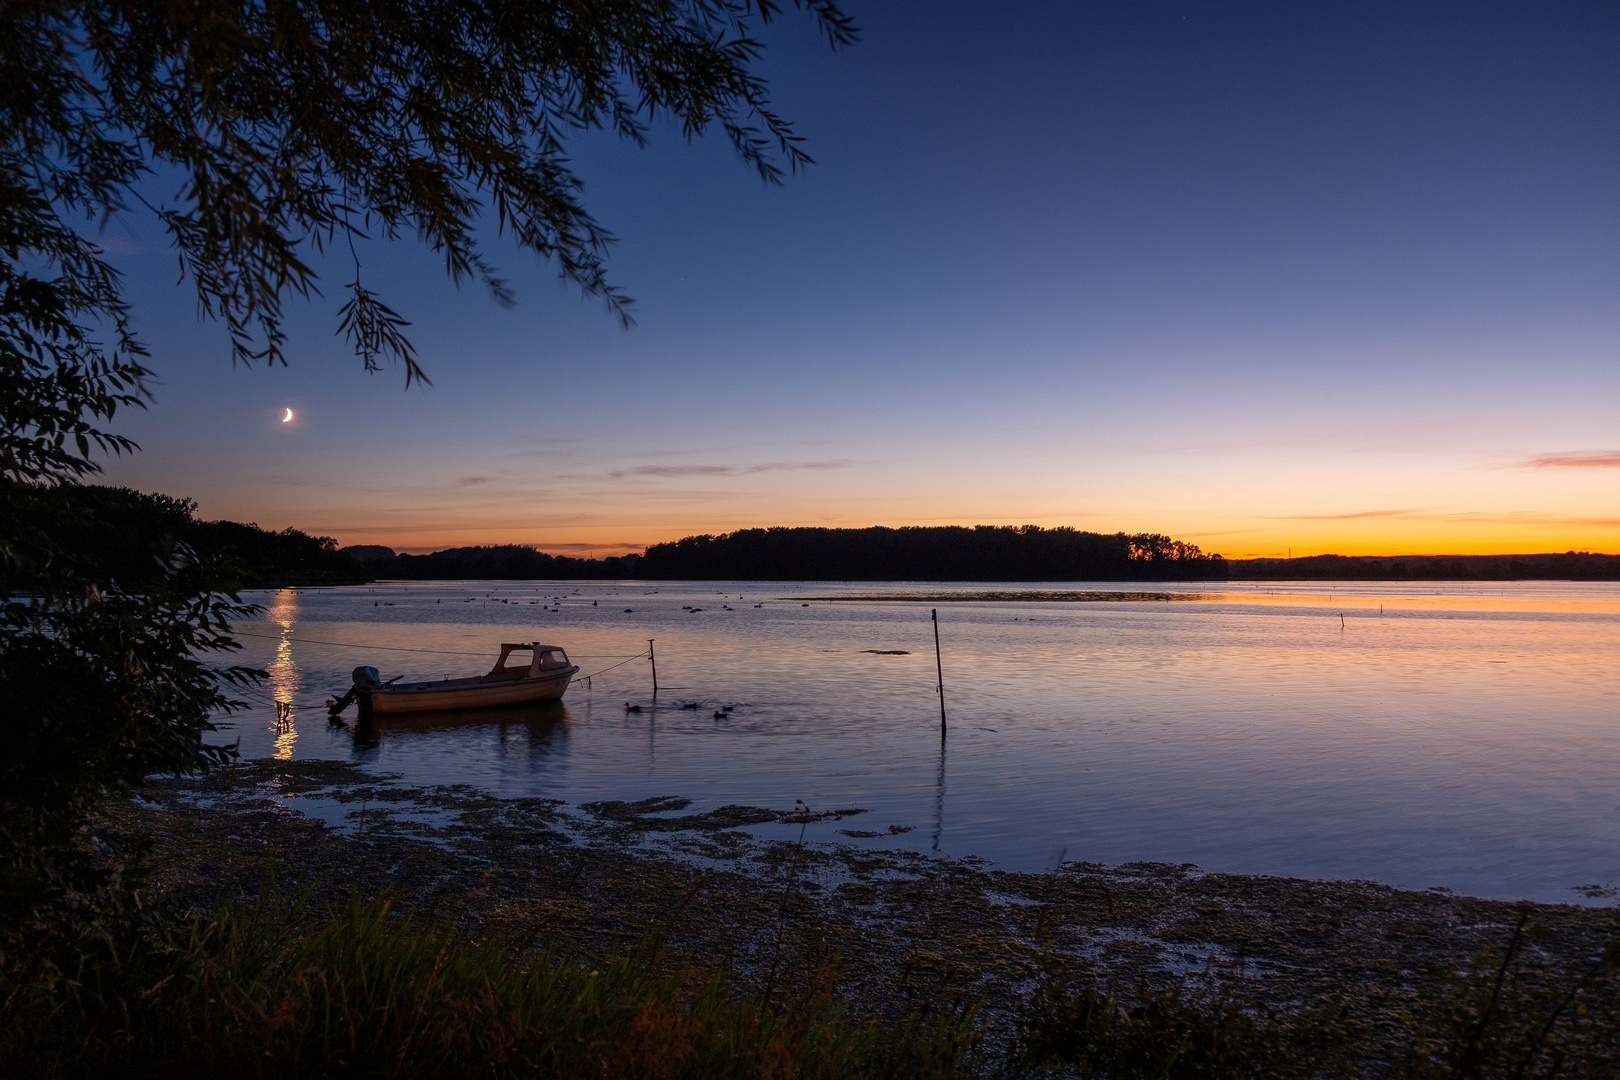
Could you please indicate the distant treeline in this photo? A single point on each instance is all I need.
(124, 531)
(1569, 566)
(929, 553)
(504, 562)
(958, 553)
(123, 535)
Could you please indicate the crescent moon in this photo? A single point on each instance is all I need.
(288, 417)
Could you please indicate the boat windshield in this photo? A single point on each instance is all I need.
(517, 658)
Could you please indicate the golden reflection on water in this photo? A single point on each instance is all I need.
(1373, 597)
(281, 611)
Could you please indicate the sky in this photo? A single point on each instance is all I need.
(1267, 277)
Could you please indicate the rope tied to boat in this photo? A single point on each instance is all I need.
(610, 667)
(401, 648)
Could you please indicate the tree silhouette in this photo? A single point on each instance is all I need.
(295, 127)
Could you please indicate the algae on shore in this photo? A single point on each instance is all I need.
(906, 926)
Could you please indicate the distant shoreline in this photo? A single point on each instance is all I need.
(1038, 596)
(980, 555)
(1047, 595)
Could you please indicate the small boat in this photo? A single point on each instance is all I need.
(526, 672)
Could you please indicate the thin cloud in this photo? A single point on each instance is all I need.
(675, 471)
(545, 447)
(1465, 517)
(1351, 517)
(1415, 436)
(1590, 459)
(474, 481)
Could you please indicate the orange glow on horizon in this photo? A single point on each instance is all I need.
(1241, 507)
(1380, 537)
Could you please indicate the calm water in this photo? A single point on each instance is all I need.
(1439, 735)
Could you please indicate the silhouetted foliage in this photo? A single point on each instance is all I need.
(917, 553)
(297, 125)
(959, 553)
(368, 553)
(290, 126)
(121, 534)
(263, 559)
(503, 562)
(110, 611)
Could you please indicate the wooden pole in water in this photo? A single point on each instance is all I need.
(939, 668)
(654, 660)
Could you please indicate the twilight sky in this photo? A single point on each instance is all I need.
(1336, 276)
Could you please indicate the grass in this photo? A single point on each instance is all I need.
(1500, 1018)
(1165, 1032)
(368, 992)
(278, 991)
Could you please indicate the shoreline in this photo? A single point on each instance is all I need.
(598, 878)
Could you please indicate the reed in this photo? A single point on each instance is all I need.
(1502, 1016)
(1160, 1032)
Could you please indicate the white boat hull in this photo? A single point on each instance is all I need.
(470, 693)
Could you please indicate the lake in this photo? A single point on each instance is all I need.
(1463, 736)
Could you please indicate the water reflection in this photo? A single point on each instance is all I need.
(1421, 734)
(284, 683)
(525, 737)
(939, 793)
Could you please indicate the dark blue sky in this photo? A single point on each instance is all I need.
(1320, 276)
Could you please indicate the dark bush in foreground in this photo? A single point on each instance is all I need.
(109, 617)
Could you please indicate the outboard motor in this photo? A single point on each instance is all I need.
(366, 679)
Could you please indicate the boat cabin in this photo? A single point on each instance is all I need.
(527, 660)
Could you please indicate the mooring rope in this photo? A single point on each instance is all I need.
(401, 648)
(610, 667)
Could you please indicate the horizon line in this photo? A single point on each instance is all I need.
(422, 551)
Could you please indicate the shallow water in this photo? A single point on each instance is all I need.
(1462, 736)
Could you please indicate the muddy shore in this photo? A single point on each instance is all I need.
(899, 926)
